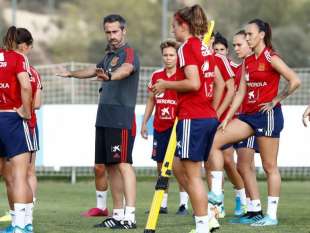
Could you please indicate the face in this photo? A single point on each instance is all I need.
(178, 30)
(253, 35)
(115, 34)
(169, 56)
(241, 46)
(220, 49)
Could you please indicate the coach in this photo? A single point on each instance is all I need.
(115, 123)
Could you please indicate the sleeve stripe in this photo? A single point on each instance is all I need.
(227, 65)
(181, 56)
(129, 55)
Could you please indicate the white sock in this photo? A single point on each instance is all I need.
(29, 213)
(248, 204)
(210, 211)
(184, 199)
(101, 197)
(256, 205)
(12, 213)
(241, 194)
(20, 213)
(202, 224)
(164, 202)
(130, 214)
(216, 182)
(118, 214)
(272, 207)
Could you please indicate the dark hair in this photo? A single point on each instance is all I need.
(23, 36)
(169, 43)
(241, 32)
(195, 18)
(16, 36)
(219, 39)
(264, 27)
(115, 18)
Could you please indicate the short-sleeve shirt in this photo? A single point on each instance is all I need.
(118, 97)
(196, 104)
(11, 64)
(35, 80)
(262, 80)
(165, 103)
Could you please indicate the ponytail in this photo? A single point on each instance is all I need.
(9, 40)
(264, 27)
(195, 18)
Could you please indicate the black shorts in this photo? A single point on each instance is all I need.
(113, 145)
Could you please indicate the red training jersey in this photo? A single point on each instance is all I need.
(165, 103)
(35, 81)
(196, 104)
(262, 80)
(11, 64)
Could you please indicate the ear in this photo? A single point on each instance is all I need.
(262, 35)
(124, 31)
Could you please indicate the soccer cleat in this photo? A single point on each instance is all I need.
(182, 211)
(29, 228)
(251, 217)
(108, 223)
(236, 219)
(125, 224)
(17, 229)
(215, 199)
(239, 208)
(213, 224)
(8, 229)
(95, 212)
(266, 221)
(6, 218)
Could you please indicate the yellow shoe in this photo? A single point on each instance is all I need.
(6, 218)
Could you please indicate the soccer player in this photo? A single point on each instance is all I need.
(261, 115)
(24, 43)
(197, 119)
(165, 112)
(15, 140)
(220, 47)
(115, 123)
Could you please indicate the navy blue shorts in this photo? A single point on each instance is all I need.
(160, 144)
(268, 124)
(34, 132)
(250, 142)
(15, 136)
(195, 138)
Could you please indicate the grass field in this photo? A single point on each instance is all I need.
(60, 203)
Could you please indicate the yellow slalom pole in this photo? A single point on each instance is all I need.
(162, 182)
(166, 170)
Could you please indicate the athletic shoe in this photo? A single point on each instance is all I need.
(236, 219)
(215, 199)
(251, 217)
(239, 208)
(125, 224)
(108, 223)
(29, 228)
(221, 210)
(95, 212)
(6, 218)
(19, 230)
(182, 211)
(213, 224)
(8, 229)
(266, 221)
(162, 210)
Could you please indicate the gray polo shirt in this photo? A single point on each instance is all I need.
(118, 98)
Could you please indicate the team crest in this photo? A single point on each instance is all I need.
(261, 67)
(114, 61)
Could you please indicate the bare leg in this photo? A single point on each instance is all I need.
(32, 178)
(101, 181)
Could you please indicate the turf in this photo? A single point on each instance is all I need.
(59, 206)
